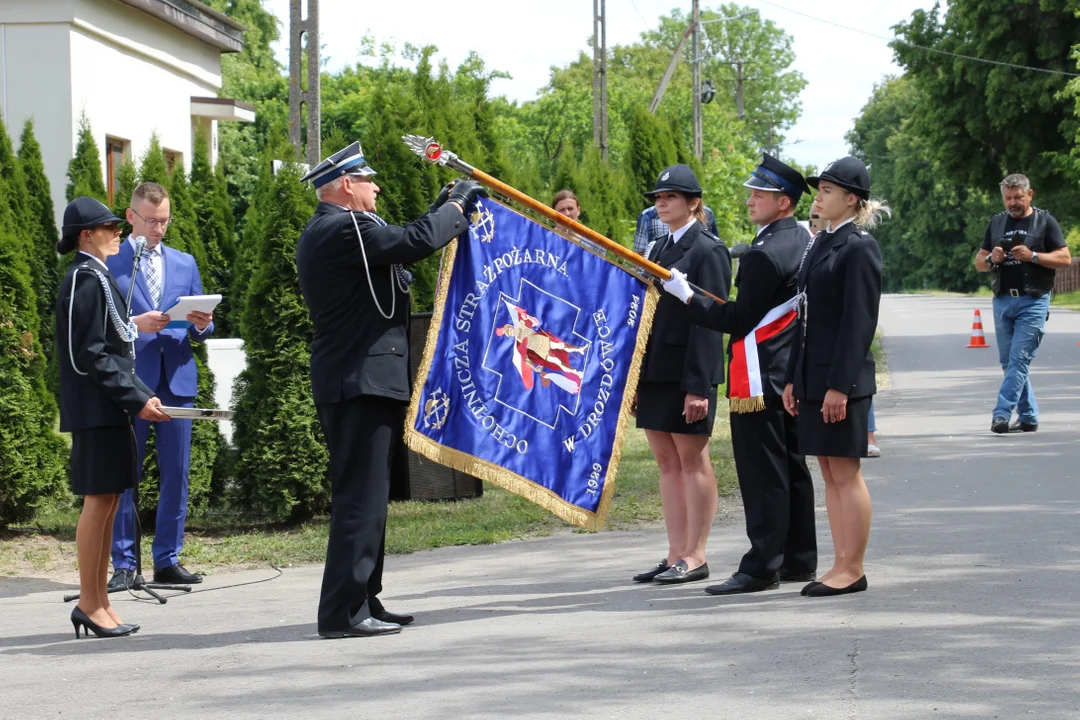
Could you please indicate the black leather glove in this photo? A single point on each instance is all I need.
(466, 192)
(442, 197)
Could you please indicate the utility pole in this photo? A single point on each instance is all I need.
(600, 113)
(304, 35)
(696, 17)
(739, 88)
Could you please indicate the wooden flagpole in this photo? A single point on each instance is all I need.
(431, 151)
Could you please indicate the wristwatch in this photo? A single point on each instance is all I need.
(1035, 258)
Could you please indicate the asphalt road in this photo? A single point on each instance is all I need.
(973, 608)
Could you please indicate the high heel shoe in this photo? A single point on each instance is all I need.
(81, 619)
(823, 590)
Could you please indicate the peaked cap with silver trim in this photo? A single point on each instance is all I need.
(349, 161)
(772, 175)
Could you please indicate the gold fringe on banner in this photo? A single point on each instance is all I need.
(747, 405)
(496, 474)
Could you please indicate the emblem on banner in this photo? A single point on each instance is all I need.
(482, 223)
(537, 344)
(436, 409)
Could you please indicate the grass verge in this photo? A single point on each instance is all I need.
(47, 545)
(1069, 301)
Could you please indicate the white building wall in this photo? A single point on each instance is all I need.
(35, 74)
(131, 73)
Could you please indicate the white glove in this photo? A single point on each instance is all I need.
(678, 286)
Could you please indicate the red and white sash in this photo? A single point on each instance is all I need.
(744, 378)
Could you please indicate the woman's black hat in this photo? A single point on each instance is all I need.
(849, 173)
(85, 213)
(677, 178)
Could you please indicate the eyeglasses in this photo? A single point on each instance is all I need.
(153, 222)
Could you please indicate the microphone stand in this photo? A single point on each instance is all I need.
(138, 584)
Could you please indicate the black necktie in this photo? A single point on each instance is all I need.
(663, 244)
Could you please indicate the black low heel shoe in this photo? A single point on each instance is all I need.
(823, 590)
(80, 619)
(648, 575)
(806, 588)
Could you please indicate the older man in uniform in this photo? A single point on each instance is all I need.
(350, 264)
(776, 487)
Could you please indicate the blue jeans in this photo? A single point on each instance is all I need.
(1019, 324)
(872, 425)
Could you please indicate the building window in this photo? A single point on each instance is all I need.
(172, 159)
(115, 152)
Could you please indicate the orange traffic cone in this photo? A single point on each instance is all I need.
(978, 340)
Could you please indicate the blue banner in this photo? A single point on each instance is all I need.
(533, 345)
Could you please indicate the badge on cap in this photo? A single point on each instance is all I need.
(665, 176)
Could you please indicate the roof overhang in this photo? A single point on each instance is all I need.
(224, 109)
(195, 19)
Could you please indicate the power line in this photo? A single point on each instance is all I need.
(643, 20)
(920, 47)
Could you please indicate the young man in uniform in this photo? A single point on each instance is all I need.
(776, 487)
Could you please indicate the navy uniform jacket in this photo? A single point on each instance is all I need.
(680, 351)
(109, 394)
(766, 279)
(355, 350)
(842, 280)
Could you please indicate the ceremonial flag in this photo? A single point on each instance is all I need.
(531, 364)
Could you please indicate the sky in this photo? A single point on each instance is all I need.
(527, 37)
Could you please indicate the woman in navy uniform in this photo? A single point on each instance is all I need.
(830, 374)
(350, 265)
(684, 363)
(99, 399)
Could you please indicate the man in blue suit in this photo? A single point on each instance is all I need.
(165, 362)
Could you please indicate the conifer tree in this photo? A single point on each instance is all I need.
(152, 165)
(32, 455)
(282, 463)
(127, 179)
(213, 216)
(84, 170)
(40, 206)
(652, 148)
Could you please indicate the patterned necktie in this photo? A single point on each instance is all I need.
(153, 279)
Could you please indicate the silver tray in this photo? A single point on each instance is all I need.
(197, 413)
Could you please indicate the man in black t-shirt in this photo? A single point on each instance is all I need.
(1022, 249)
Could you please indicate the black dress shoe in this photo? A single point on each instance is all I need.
(680, 572)
(79, 619)
(807, 588)
(1020, 426)
(365, 628)
(380, 613)
(121, 579)
(788, 576)
(743, 583)
(823, 590)
(134, 627)
(999, 426)
(176, 575)
(648, 575)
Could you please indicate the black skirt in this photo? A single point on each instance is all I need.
(660, 407)
(102, 460)
(847, 438)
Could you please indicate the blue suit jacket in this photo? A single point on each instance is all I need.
(171, 348)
